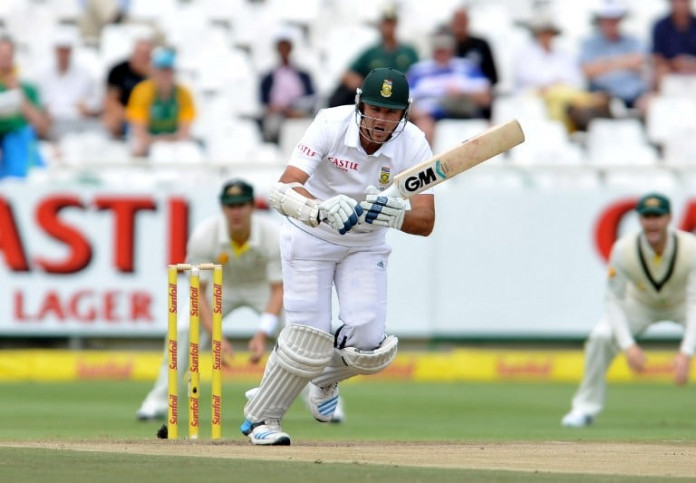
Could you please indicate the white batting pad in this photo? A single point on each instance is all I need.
(301, 354)
(349, 362)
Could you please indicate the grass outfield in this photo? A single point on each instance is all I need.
(376, 411)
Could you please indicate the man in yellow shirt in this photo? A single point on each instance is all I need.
(159, 108)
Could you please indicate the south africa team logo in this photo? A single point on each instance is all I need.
(384, 175)
(386, 88)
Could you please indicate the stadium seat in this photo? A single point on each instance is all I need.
(679, 147)
(521, 107)
(166, 152)
(546, 143)
(233, 141)
(341, 45)
(640, 179)
(116, 41)
(669, 114)
(679, 86)
(290, 133)
(450, 132)
(619, 141)
(150, 10)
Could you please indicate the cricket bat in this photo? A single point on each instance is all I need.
(473, 151)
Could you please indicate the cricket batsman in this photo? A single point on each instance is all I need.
(333, 235)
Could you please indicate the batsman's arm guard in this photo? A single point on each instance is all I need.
(293, 204)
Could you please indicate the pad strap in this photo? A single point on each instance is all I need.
(349, 362)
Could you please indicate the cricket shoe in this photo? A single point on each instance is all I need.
(149, 412)
(576, 419)
(322, 401)
(265, 433)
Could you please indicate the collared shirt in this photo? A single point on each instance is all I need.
(669, 41)
(255, 267)
(431, 82)
(62, 91)
(400, 58)
(287, 87)
(535, 68)
(160, 115)
(626, 84)
(664, 283)
(331, 154)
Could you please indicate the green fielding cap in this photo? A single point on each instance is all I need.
(236, 192)
(653, 204)
(385, 87)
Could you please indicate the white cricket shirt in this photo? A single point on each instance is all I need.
(253, 269)
(331, 154)
(665, 284)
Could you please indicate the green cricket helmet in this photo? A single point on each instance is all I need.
(385, 87)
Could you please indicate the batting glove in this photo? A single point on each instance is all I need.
(341, 212)
(387, 211)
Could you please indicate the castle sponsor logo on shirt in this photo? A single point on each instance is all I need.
(344, 164)
(306, 150)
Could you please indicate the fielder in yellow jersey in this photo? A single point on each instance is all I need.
(652, 278)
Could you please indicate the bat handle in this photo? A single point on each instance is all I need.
(392, 191)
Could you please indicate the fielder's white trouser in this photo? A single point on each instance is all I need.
(253, 298)
(311, 267)
(601, 348)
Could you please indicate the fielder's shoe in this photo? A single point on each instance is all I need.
(149, 412)
(265, 433)
(576, 419)
(322, 401)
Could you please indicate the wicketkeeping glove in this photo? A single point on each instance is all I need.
(384, 210)
(341, 212)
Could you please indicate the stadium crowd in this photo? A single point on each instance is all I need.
(84, 81)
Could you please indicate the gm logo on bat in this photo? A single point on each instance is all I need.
(425, 178)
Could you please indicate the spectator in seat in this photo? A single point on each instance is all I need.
(121, 80)
(286, 91)
(160, 109)
(22, 118)
(544, 69)
(388, 52)
(476, 49)
(614, 62)
(96, 14)
(674, 41)
(446, 87)
(69, 90)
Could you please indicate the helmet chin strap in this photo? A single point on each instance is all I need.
(395, 132)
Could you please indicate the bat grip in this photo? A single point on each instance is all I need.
(392, 192)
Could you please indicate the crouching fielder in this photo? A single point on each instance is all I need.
(652, 278)
(334, 236)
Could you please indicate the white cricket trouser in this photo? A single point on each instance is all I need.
(601, 348)
(311, 266)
